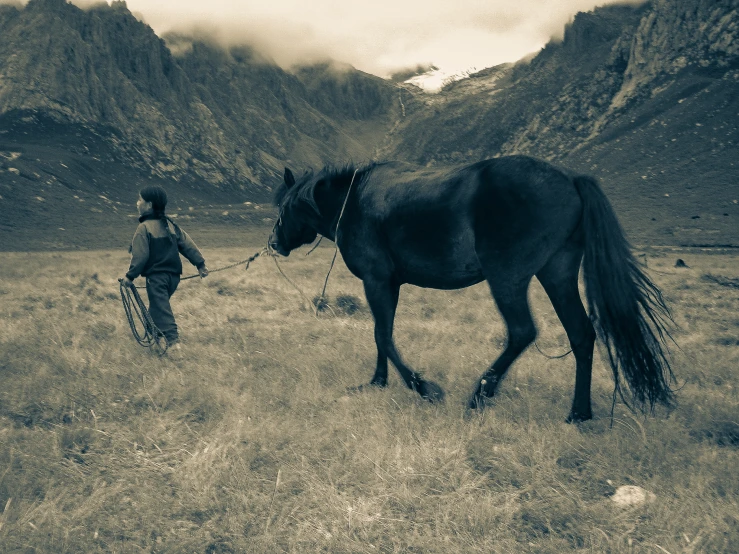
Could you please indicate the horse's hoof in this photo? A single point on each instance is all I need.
(430, 391)
(575, 417)
(477, 402)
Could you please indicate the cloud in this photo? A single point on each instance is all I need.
(378, 37)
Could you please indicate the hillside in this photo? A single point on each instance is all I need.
(645, 98)
(93, 104)
(108, 105)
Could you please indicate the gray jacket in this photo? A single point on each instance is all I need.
(156, 247)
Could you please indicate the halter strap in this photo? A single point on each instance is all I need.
(343, 206)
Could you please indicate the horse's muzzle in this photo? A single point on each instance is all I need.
(274, 245)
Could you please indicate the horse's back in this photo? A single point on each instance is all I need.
(440, 224)
(395, 185)
(525, 186)
(510, 187)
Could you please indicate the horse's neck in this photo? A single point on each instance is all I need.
(331, 204)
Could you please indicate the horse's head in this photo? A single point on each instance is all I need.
(295, 224)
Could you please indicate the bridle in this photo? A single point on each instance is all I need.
(338, 221)
(336, 243)
(278, 222)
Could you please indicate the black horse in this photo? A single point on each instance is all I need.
(504, 220)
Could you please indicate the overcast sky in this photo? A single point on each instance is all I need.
(378, 36)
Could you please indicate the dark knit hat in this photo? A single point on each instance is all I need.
(157, 196)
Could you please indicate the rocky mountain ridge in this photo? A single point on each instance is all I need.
(225, 118)
(644, 97)
(93, 103)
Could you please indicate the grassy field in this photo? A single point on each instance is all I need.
(249, 441)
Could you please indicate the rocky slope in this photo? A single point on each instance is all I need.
(646, 98)
(549, 102)
(93, 104)
(222, 118)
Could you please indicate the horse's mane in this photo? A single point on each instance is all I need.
(304, 189)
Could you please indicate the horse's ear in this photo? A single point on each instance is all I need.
(289, 178)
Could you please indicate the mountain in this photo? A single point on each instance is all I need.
(93, 104)
(222, 117)
(99, 91)
(644, 97)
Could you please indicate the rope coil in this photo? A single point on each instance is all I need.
(135, 309)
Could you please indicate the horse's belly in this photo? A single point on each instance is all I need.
(447, 271)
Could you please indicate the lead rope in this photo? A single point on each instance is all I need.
(336, 237)
(247, 261)
(550, 356)
(292, 283)
(133, 305)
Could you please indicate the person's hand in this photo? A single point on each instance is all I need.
(203, 271)
(127, 282)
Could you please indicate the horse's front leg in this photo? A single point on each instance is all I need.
(382, 297)
(380, 377)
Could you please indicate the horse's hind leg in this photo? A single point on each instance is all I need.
(382, 298)
(512, 302)
(559, 279)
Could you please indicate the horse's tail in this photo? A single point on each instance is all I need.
(629, 313)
